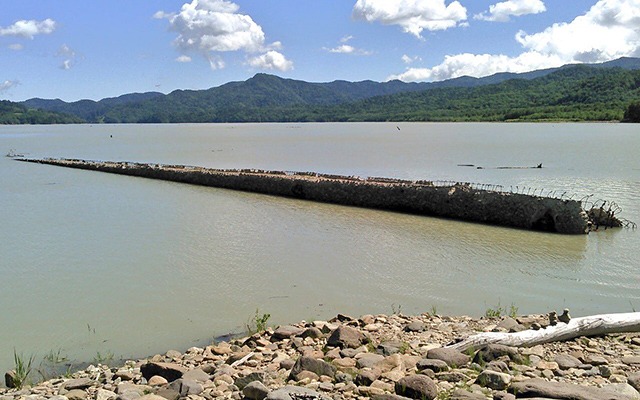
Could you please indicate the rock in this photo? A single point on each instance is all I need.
(82, 383)
(125, 375)
(417, 387)
(242, 382)
(624, 390)
(595, 360)
(169, 371)
(389, 363)
(631, 360)
(319, 367)
(313, 333)
(415, 326)
(461, 394)
(390, 347)
(157, 380)
(498, 366)
(196, 375)
(367, 376)
(168, 393)
(102, 394)
(492, 352)
(76, 394)
(255, 390)
(186, 387)
(452, 376)
(368, 360)
(286, 331)
(493, 380)
(295, 393)
(567, 361)
(131, 387)
(388, 397)
(10, 379)
(432, 364)
(452, 357)
(346, 336)
(634, 380)
(563, 391)
(152, 397)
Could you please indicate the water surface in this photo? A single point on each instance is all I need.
(93, 262)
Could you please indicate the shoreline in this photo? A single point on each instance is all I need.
(373, 356)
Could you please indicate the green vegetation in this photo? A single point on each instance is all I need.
(14, 114)
(22, 369)
(570, 93)
(499, 311)
(258, 323)
(105, 358)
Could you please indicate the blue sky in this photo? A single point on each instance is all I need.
(79, 49)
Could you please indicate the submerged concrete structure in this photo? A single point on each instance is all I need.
(457, 201)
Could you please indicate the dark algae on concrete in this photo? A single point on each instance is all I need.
(460, 201)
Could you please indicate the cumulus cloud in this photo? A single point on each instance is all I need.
(271, 60)
(502, 11)
(29, 29)
(413, 16)
(212, 26)
(609, 30)
(6, 85)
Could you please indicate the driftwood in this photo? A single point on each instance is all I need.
(594, 325)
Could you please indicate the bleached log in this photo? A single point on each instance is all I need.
(594, 325)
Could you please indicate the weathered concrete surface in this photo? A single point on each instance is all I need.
(459, 201)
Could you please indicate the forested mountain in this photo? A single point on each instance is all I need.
(573, 92)
(88, 110)
(14, 113)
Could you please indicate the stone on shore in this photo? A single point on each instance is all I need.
(417, 387)
(169, 371)
(346, 336)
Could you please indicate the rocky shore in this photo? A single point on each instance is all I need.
(382, 357)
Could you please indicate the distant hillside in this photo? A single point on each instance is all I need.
(270, 98)
(15, 113)
(88, 110)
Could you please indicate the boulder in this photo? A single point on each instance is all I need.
(564, 391)
(286, 332)
(453, 358)
(346, 336)
(390, 347)
(242, 382)
(567, 361)
(432, 364)
(461, 394)
(169, 371)
(367, 376)
(368, 360)
(319, 367)
(417, 387)
(255, 390)
(634, 380)
(493, 380)
(415, 326)
(82, 383)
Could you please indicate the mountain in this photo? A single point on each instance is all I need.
(267, 97)
(88, 110)
(15, 113)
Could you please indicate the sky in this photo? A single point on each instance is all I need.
(79, 49)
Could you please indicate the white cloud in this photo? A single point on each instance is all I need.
(271, 60)
(29, 29)
(69, 56)
(502, 11)
(348, 49)
(409, 60)
(16, 46)
(183, 59)
(6, 85)
(413, 16)
(609, 30)
(214, 26)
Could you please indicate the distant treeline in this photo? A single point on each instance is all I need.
(572, 93)
(15, 113)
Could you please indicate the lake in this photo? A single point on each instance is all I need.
(94, 264)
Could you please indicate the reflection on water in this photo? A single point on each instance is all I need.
(97, 262)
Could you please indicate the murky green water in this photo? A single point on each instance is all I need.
(93, 262)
